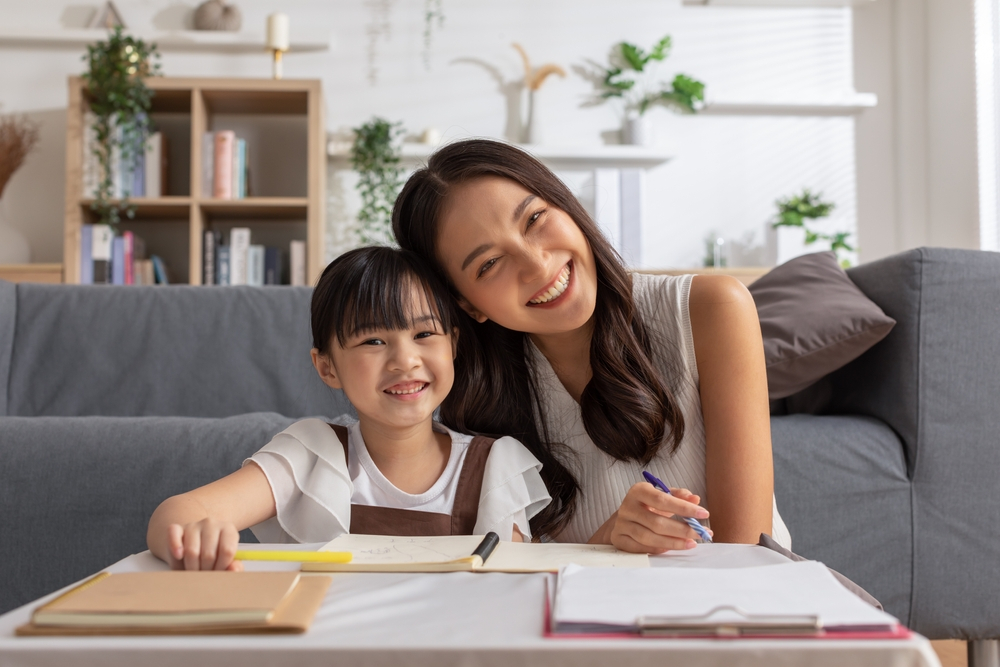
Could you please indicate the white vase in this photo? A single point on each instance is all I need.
(637, 131)
(533, 128)
(14, 248)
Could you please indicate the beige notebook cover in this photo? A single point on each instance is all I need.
(183, 603)
(382, 553)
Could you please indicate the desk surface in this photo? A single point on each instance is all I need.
(457, 618)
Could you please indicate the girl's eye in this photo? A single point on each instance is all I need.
(487, 265)
(374, 341)
(424, 334)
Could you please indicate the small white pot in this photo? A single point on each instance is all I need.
(533, 127)
(637, 131)
(14, 248)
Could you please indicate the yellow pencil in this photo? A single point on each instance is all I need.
(297, 556)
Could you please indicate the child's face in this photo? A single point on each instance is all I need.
(397, 377)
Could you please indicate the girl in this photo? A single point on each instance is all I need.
(630, 371)
(384, 331)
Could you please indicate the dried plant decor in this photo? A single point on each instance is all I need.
(18, 136)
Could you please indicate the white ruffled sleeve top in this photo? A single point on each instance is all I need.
(314, 484)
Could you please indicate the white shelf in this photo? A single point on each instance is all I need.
(846, 105)
(179, 40)
(777, 3)
(584, 157)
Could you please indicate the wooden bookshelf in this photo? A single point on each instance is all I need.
(285, 130)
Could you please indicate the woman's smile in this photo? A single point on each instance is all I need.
(551, 295)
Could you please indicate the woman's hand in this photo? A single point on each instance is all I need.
(203, 545)
(643, 523)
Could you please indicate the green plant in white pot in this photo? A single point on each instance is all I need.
(375, 155)
(631, 77)
(801, 211)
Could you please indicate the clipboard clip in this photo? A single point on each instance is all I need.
(728, 621)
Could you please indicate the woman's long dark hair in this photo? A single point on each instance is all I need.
(627, 407)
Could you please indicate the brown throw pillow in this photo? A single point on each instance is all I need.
(813, 320)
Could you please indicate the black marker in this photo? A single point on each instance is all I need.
(487, 546)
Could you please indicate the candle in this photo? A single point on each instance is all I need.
(277, 32)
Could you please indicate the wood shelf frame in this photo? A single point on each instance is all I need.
(201, 99)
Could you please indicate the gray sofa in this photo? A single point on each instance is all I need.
(112, 399)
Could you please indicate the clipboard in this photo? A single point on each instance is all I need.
(729, 621)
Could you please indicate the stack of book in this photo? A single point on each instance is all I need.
(117, 260)
(224, 166)
(143, 173)
(243, 263)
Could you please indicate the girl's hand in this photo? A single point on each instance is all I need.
(203, 545)
(643, 523)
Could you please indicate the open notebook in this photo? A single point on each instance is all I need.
(788, 599)
(178, 602)
(379, 553)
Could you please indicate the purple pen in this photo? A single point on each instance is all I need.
(697, 527)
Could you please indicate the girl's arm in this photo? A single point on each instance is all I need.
(199, 530)
(733, 383)
(740, 479)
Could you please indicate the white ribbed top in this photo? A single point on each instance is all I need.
(663, 303)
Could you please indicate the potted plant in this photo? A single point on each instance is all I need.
(18, 137)
(799, 211)
(375, 155)
(120, 102)
(630, 77)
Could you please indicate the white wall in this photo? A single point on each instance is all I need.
(727, 172)
(916, 152)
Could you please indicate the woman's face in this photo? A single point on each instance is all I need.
(515, 258)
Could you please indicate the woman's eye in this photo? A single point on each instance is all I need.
(534, 217)
(487, 265)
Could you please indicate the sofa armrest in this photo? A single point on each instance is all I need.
(77, 492)
(935, 380)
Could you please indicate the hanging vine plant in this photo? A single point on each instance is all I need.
(120, 101)
(375, 156)
(433, 14)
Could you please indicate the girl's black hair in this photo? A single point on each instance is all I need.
(370, 288)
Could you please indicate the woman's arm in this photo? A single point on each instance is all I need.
(733, 383)
(199, 530)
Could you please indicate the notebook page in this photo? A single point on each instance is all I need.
(618, 597)
(395, 550)
(550, 556)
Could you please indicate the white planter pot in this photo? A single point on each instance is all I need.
(533, 127)
(14, 248)
(637, 131)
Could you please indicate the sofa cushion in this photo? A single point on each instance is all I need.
(77, 492)
(168, 350)
(813, 320)
(841, 487)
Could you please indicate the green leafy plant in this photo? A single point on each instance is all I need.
(120, 101)
(627, 76)
(375, 156)
(798, 210)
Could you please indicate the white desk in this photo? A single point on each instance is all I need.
(437, 620)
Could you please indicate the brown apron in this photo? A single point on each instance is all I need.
(370, 520)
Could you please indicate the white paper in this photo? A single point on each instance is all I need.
(607, 597)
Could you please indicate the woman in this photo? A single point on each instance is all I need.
(599, 372)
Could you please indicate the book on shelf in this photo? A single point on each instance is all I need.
(222, 265)
(240, 262)
(106, 258)
(239, 251)
(272, 266)
(160, 270)
(224, 165)
(255, 266)
(118, 261)
(102, 240)
(139, 172)
(297, 253)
